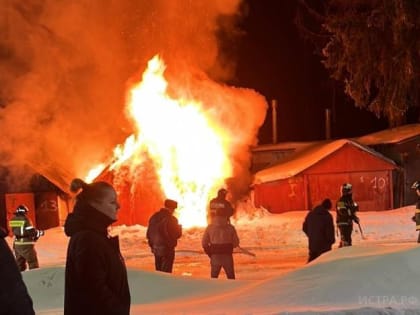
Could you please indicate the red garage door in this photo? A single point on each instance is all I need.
(371, 190)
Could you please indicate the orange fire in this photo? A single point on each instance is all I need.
(94, 172)
(188, 150)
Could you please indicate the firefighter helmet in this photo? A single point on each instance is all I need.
(346, 189)
(22, 209)
(222, 192)
(416, 185)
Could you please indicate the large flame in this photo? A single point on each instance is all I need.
(188, 150)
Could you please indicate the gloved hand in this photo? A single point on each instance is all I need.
(356, 219)
(39, 233)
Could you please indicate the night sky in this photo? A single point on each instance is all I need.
(277, 62)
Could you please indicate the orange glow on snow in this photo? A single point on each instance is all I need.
(188, 150)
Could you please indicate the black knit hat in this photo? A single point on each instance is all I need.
(326, 204)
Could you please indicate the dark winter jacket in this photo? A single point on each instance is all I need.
(417, 215)
(319, 227)
(220, 237)
(14, 297)
(96, 276)
(219, 206)
(346, 211)
(163, 232)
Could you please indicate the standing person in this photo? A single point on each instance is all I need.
(416, 217)
(14, 296)
(346, 213)
(319, 228)
(219, 240)
(25, 237)
(163, 232)
(219, 206)
(96, 276)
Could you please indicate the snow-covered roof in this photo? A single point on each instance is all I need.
(303, 159)
(393, 135)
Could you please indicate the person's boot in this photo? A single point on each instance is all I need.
(343, 244)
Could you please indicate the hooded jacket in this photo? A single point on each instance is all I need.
(96, 276)
(163, 232)
(14, 297)
(319, 227)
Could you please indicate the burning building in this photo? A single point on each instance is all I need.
(69, 68)
(186, 146)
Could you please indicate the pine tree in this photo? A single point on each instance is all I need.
(373, 47)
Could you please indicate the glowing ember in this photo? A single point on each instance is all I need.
(187, 149)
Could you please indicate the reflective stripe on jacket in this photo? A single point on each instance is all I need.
(23, 230)
(346, 210)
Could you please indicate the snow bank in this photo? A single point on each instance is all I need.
(366, 279)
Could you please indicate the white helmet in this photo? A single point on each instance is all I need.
(22, 209)
(346, 189)
(416, 185)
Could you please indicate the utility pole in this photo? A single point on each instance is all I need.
(274, 119)
(327, 123)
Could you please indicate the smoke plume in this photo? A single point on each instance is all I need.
(64, 68)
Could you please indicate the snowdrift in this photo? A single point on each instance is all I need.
(364, 279)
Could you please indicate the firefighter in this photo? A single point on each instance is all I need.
(346, 213)
(416, 217)
(25, 237)
(219, 206)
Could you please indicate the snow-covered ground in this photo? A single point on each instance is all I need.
(377, 275)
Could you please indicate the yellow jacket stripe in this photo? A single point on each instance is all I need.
(17, 223)
(22, 242)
